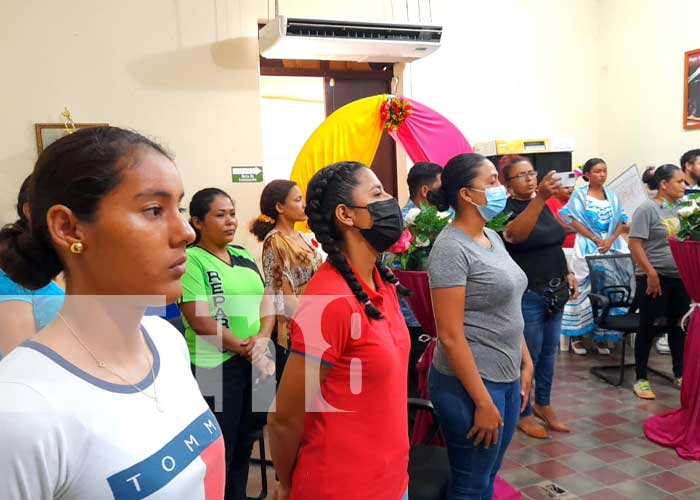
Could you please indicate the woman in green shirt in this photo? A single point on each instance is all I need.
(222, 302)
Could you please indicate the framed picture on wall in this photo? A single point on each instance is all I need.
(46, 133)
(691, 90)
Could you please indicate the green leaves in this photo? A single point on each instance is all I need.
(499, 222)
(424, 223)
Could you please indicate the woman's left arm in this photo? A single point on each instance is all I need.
(267, 315)
(260, 354)
(527, 370)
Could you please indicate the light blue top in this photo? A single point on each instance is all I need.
(601, 217)
(46, 301)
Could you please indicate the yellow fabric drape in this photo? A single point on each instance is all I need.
(351, 133)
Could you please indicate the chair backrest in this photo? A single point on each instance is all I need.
(612, 276)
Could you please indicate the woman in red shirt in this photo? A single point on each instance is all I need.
(556, 203)
(349, 353)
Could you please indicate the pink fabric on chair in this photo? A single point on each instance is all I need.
(420, 302)
(680, 428)
(422, 308)
(426, 135)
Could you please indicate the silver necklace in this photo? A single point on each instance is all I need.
(102, 364)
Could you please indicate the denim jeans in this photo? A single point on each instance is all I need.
(473, 468)
(542, 331)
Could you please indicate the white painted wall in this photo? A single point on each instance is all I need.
(515, 69)
(641, 80)
(608, 72)
(184, 71)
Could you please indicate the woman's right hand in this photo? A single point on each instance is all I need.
(487, 422)
(548, 186)
(244, 347)
(653, 285)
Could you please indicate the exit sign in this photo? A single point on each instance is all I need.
(246, 174)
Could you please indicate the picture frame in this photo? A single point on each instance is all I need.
(691, 90)
(47, 133)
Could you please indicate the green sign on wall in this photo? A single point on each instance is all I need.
(246, 174)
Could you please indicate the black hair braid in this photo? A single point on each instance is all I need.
(321, 223)
(388, 276)
(340, 262)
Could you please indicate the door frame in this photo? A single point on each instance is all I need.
(378, 72)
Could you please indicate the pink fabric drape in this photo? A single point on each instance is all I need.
(680, 428)
(422, 308)
(426, 135)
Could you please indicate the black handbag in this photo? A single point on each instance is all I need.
(556, 294)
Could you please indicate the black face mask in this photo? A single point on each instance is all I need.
(387, 224)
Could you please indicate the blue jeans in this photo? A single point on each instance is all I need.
(473, 468)
(542, 332)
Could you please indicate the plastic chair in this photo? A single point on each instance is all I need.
(613, 285)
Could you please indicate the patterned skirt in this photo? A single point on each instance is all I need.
(577, 319)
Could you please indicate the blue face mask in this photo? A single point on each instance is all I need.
(495, 202)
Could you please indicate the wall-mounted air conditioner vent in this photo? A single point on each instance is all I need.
(292, 38)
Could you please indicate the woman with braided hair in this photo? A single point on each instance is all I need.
(349, 353)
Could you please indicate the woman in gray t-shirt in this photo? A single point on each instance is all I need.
(481, 357)
(661, 295)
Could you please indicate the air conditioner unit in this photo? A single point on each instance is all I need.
(293, 38)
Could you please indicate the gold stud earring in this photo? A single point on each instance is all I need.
(76, 247)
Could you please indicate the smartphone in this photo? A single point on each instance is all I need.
(567, 179)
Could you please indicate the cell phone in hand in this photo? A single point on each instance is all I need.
(567, 179)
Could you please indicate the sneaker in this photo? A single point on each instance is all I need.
(662, 345)
(603, 349)
(642, 389)
(578, 348)
(678, 382)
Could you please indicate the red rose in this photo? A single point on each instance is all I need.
(403, 244)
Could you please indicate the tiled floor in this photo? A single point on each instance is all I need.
(606, 456)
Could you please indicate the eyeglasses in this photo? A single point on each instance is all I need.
(524, 175)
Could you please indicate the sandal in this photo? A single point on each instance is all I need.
(555, 424)
(578, 348)
(602, 348)
(530, 427)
